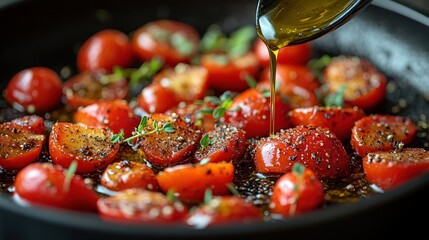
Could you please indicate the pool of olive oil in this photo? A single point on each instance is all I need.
(281, 23)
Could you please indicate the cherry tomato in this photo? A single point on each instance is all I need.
(87, 88)
(189, 83)
(223, 210)
(141, 206)
(126, 174)
(253, 115)
(174, 42)
(339, 120)
(46, 184)
(104, 50)
(314, 147)
(36, 89)
(298, 54)
(32, 123)
(191, 181)
(225, 143)
(165, 149)
(297, 192)
(155, 98)
(388, 170)
(365, 86)
(292, 74)
(116, 115)
(18, 146)
(90, 147)
(226, 72)
(194, 112)
(381, 133)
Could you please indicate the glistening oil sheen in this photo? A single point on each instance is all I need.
(281, 23)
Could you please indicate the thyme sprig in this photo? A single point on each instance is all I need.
(206, 141)
(217, 106)
(143, 130)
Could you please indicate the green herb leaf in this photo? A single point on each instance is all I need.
(233, 190)
(205, 141)
(208, 196)
(240, 41)
(298, 169)
(117, 138)
(219, 112)
(318, 64)
(182, 44)
(147, 70)
(213, 39)
(251, 81)
(171, 195)
(336, 99)
(168, 128)
(69, 175)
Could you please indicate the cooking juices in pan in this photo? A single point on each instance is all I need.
(175, 129)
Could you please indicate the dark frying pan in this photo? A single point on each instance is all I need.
(394, 38)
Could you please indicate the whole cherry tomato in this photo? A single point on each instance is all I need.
(296, 192)
(388, 170)
(49, 185)
(314, 147)
(253, 114)
(155, 98)
(105, 50)
(116, 115)
(36, 89)
(227, 72)
(174, 42)
(298, 54)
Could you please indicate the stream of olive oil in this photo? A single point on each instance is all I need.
(281, 23)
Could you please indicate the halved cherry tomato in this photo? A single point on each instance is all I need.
(226, 72)
(194, 112)
(90, 147)
(292, 74)
(32, 123)
(168, 149)
(116, 115)
(225, 143)
(223, 210)
(314, 147)
(365, 86)
(297, 192)
(141, 206)
(253, 115)
(191, 181)
(18, 146)
(381, 133)
(174, 42)
(155, 98)
(298, 54)
(388, 170)
(86, 88)
(339, 120)
(188, 82)
(46, 184)
(126, 174)
(104, 50)
(36, 89)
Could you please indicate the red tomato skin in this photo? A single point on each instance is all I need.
(140, 208)
(191, 181)
(116, 115)
(230, 75)
(287, 201)
(388, 170)
(36, 89)
(339, 120)
(223, 210)
(157, 99)
(104, 50)
(19, 147)
(314, 147)
(371, 133)
(43, 184)
(298, 54)
(32, 123)
(91, 155)
(147, 45)
(254, 114)
(85, 89)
